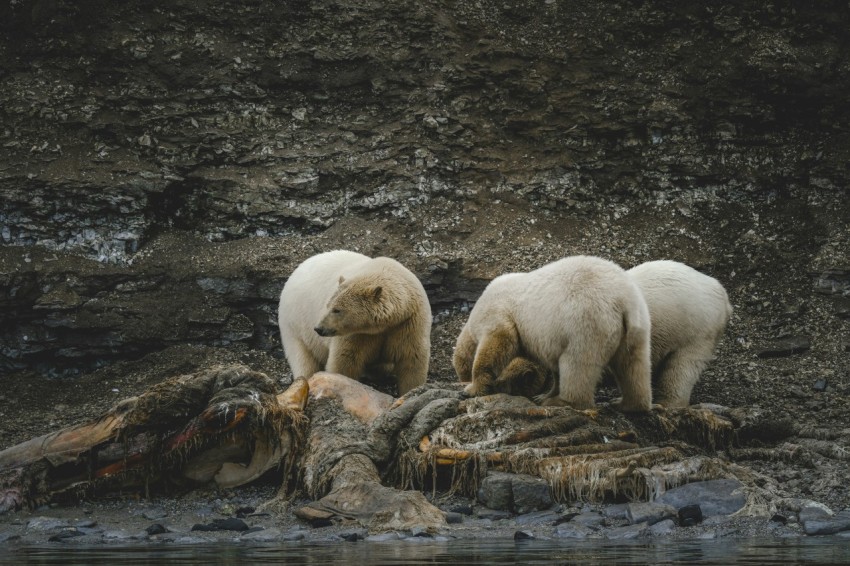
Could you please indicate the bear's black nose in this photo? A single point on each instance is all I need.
(321, 331)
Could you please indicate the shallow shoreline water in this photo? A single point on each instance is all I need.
(424, 551)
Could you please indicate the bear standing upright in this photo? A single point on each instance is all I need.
(689, 312)
(345, 312)
(574, 316)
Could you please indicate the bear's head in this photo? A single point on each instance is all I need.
(357, 307)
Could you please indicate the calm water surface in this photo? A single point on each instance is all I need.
(795, 551)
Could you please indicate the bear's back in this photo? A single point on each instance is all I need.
(685, 305)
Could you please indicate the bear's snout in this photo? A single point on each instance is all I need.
(322, 331)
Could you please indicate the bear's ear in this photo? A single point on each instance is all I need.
(376, 292)
(341, 279)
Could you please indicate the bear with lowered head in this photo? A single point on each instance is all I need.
(574, 316)
(689, 312)
(347, 313)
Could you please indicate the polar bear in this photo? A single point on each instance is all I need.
(574, 316)
(689, 312)
(347, 313)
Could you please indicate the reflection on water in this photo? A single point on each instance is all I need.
(423, 551)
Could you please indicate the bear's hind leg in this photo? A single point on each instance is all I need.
(631, 365)
(679, 376)
(464, 355)
(493, 355)
(577, 379)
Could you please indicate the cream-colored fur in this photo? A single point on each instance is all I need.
(574, 316)
(347, 313)
(689, 312)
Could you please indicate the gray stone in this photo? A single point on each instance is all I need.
(827, 525)
(784, 347)
(265, 535)
(649, 513)
(122, 535)
(383, 537)
(626, 533)
(573, 530)
(546, 517)
(811, 511)
(616, 512)
(531, 493)
(496, 491)
(293, 535)
(715, 497)
(492, 514)
(453, 518)
(155, 514)
(520, 493)
(591, 519)
(664, 527)
(46, 524)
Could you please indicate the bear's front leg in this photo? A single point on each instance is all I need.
(494, 353)
(349, 355)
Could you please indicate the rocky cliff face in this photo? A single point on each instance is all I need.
(165, 165)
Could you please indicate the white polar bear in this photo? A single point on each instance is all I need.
(689, 312)
(347, 313)
(574, 316)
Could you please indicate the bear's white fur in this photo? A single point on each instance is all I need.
(689, 312)
(347, 313)
(574, 316)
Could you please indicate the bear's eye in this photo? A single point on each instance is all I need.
(335, 311)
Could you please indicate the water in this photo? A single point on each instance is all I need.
(792, 551)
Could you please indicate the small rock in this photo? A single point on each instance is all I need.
(785, 347)
(649, 513)
(46, 524)
(523, 535)
(715, 497)
(827, 525)
(547, 517)
(154, 514)
(573, 530)
(293, 535)
(383, 537)
(420, 531)
(690, 515)
(263, 535)
(820, 385)
(85, 524)
(812, 510)
(119, 535)
(5, 537)
(65, 534)
(453, 518)
(664, 527)
(156, 529)
(589, 519)
(352, 536)
(229, 524)
(463, 509)
(616, 512)
(492, 514)
(626, 533)
(520, 493)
